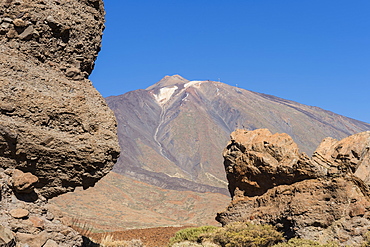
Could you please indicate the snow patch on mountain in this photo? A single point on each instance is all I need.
(165, 94)
(193, 83)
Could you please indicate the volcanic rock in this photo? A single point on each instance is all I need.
(56, 130)
(19, 213)
(324, 198)
(23, 182)
(6, 237)
(32, 240)
(53, 123)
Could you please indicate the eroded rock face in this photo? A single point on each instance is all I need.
(53, 123)
(56, 131)
(323, 198)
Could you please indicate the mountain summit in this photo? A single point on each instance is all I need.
(172, 134)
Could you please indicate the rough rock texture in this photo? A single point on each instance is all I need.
(29, 220)
(56, 131)
(323, 198)
(53, 123)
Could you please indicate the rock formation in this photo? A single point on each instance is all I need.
(323, 198)
(56, 131)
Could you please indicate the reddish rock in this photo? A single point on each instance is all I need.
(324, 198)
(37, 222)
(23, 182)
(19, 213)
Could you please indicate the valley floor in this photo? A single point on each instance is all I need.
(150, 237)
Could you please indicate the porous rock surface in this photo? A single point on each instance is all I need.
(56, 131)
(322, 198)
(53, 123)
(27, 219)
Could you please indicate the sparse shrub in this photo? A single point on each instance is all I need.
(240, 234)
(297, 242)
(233, 235)
(108, 241)
(366, 242)
(192, 234)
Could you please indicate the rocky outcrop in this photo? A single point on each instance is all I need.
(323, 198)
(53, 122)
(56, 131)
(29, 220)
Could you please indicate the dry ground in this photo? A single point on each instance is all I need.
(151, 237)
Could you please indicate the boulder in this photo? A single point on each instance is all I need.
(23, 182)
(53, 123)
(56, 130)
(323, 198)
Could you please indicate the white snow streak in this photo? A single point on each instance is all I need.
(193, 83)
(165, 94)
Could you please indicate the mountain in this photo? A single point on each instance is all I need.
(172, 137)
(172, 134)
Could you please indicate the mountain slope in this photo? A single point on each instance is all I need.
(172, 134)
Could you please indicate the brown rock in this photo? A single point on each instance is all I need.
(19, 23)
(357, 209)
(320, 198)
(37, 240)
(37, 222)
(72, 72)
(256, 161)
(19, 213)
(62, 129)
(23, 182)
(6, 236)
(27, 33)
(11, 34)
(50, 243)
(56, 132)
(351, 153)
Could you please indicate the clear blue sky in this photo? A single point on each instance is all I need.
(315, 52)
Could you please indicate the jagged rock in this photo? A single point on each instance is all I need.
(351, 153)
(6, 236)
(37, 222)
(18, 214)
(50, 243)
(324, 198)
(32, 240)
(23, 182)
(256, 161)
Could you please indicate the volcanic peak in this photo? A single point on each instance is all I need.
(170, 85)
(168, 81)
